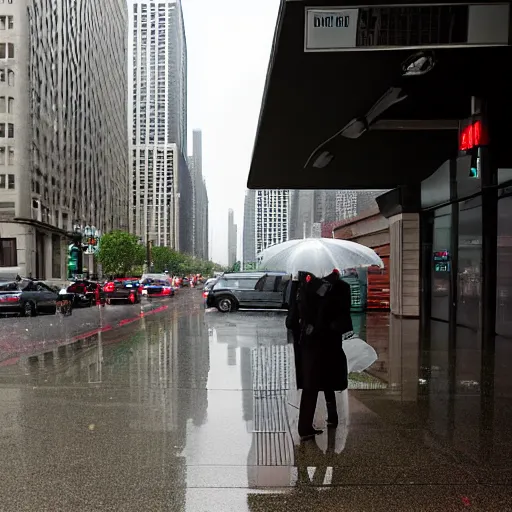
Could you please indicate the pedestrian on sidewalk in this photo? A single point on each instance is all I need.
(323, 316)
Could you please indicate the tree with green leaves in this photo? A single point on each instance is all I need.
(119, 252)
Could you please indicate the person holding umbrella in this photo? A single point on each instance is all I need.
(320, 318)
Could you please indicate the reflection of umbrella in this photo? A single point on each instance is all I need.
(318, 256)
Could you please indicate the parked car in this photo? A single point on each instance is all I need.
(122, 291)
(156, 285)
(27, 297)
(86, 293)
(265, 290)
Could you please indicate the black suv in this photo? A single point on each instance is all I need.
(264, 290)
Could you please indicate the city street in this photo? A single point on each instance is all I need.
(193, 411)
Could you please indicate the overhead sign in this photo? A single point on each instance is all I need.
(385, 27)
(330, 29)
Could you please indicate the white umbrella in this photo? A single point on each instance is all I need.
(318, 256)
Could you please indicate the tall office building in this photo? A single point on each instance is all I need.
(63, 136)
(249, 234)
(200, 198)
(350, 203)
(271, 218)
(309, 209)
(232, 238)
(162, 195)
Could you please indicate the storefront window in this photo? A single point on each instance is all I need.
(504, 268)
(441, 264)
(469, 263)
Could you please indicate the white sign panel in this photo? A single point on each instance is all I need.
(330, 29)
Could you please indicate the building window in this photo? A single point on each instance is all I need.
(10, 51)
(2, 181)
(11, 155)
(10, 131)
(10, 77)
(10, 22)
(3, 50)
(3, 105)
(3, 22)
(2, 129)
(2, 155)
(10, 181)
(10, 106)
(8, 255)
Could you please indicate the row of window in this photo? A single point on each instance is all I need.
(7, 130)
(7, 75)
(6, 105)
(7, 180)
(6, 22)
(6, 51)
(10, 152)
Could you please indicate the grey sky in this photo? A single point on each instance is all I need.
(229, 44)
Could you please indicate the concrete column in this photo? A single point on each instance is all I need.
(404, 346)
(64, 259)
(48, 256)
(404, 231)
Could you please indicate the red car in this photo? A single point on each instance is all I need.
(86, 293)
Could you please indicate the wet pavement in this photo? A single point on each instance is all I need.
(21, 335)
(193, 411)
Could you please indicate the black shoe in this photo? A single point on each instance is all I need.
(310, 435)
(332, 414)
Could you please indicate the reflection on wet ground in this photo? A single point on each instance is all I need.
(189, 410)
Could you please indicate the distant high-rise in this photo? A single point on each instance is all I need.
(312, 208)
(162, 195)
(232, 238)
(200, 199)
(271, 218)
(249, 234)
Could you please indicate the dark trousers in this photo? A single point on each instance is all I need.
(307, 408)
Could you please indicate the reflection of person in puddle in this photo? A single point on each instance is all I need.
(324, 317)
(310, 455)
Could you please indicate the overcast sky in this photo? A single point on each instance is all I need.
(229, 44)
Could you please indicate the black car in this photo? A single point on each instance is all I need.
(122, 290)
(264, 290)
(27, 297)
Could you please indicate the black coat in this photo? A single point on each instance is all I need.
(324, 312)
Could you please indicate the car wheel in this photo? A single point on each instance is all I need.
(29, 309)
(225, 304)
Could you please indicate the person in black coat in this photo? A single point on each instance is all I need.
(324, 317)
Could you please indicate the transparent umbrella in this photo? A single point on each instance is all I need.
(318, 256)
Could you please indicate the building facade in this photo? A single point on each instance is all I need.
(63, 137)
(200, 199)
(271, 218)
(232, 238)
(249, 234)
(310, 209)
(157, 61)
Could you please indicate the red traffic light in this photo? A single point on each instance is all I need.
(472, 134)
